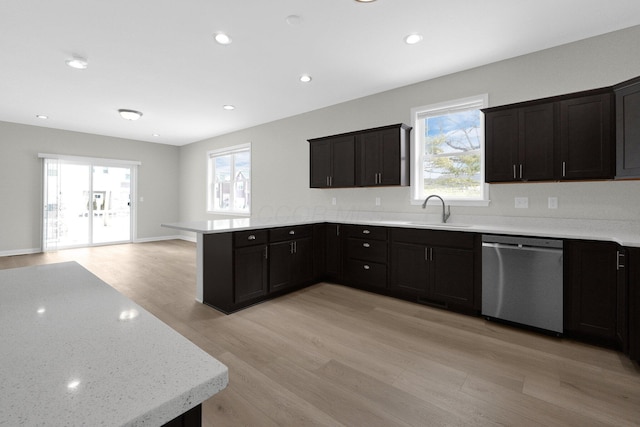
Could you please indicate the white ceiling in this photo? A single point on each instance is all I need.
(159, 56)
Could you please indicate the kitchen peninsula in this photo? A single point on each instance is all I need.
(245, 261)
(77, 352)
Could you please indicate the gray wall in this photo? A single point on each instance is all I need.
(281, 155)
(21, 180)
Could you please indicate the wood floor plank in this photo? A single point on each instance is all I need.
(329, 355)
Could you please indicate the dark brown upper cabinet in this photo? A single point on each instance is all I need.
(586, 140)
(627, 106)
(520, 143)
(382, 156)
(332, 162)
(560, 138)
(366, 158)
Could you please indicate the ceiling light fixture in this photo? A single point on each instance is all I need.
(305, 78)
(155, 135)
(229, 107)
(222, 38)
(130, 114)
(293, 20)
(77, 62)
(413, 38)
(42, 116)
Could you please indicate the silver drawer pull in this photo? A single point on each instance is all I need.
(366, 232)
(292, 232)
(366, 267)
(251, 237)
(366, 245)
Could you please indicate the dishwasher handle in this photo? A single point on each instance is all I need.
(519, 247)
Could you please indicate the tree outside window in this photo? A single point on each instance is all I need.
(449, 146)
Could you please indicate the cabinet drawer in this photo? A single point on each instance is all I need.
(289, 233)
(249, 238)
(365, 231)
(370, 274)
(448, 239)
(367, 250)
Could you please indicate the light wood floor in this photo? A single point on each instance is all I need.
(330, 355)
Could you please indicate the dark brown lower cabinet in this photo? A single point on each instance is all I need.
(633, 287)
(191, 418)
(436, 267)
(591, 287)
(290, 263)
(251, 278)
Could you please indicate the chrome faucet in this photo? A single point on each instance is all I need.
(446, 215)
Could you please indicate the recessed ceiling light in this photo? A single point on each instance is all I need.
(293, 20)
(130, 114)
(229, 107)
(155, 135)
(42, 116)
(413, 38)
(222, 38)
(77, 62)
(305, 78)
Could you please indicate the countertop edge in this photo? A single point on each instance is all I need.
(223, 226)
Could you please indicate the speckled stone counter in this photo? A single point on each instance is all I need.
(74, 351)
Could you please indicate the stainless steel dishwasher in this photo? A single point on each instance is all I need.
(522, 281)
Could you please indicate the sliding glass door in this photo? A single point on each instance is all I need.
(86, 203)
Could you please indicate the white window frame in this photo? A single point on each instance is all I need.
(211, 155)
(418, 114)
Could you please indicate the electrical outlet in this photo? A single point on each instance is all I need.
(333, 201)
(522, 202)
(377, 201)
(553, 203)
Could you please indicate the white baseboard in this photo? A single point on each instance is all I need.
(20, 252)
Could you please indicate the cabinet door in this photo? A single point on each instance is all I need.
(586, 144)
(633, 277)
(369, 155)
(320, 163)
(451, 276)
(250, 273)
(501, 145)
(333, 253)
(390, 160)
(628, 132)
(591, 299)
(302, 264)
(536, 142)
(280, 259)
(343, 161)
(409, 268)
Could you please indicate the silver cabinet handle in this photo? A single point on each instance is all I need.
(251, 237)
(514, 171)
(366, 232)
(366, 267)
(619, 260)
(327, 181)
(266, 252)
(366, 245)
(291, 247)
(292, 232)
(564, 169)
(520, 170)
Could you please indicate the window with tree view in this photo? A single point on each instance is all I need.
(448, 148)
(229, 180)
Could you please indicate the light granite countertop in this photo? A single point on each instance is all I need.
(625, 233)
(74, 351)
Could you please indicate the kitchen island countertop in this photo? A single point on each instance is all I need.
(77, 352)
